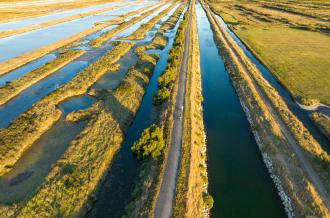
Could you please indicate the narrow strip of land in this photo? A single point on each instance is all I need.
(19, 61)
(7, 33)
(304, 162)
(167, 190)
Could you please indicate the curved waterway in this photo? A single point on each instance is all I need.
(301, 113)
(238, 178)
(115, 192)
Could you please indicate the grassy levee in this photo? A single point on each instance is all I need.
(108, 35)
(295, 188)
(15, 87)
(192, 179)
(318, 157)
(152, 169)
(20, 12)
(294, 47)
(29, 126)
(7, 33)
(140, 33)
(11, 64)
(322, 121)
(76, 176)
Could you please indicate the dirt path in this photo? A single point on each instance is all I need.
(306, 166)
(167, 191)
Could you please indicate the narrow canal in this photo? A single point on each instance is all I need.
(115, 193)
(302, 114)
(238, 178)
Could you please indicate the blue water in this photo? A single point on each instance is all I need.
(115, 192)
(17, 45)
(15, 74)
(302, 114)
(38, 20)
(238, 178)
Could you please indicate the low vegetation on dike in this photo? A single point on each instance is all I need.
(11, 32)
(298, 194)
(140, 33)
(20, 12)
(167, 79)
(323, 122)
(151, 143)
(75, 178)
(192, 198)
(315, 153)
(124, 25)
(151, 169)
(30, 125)
(12, 89)
(290, 37)
(14, 63)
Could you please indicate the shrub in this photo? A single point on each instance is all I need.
(208, 200)
(151, 143)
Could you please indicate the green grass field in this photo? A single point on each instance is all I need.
(294, 46)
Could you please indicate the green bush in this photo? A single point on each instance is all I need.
(151, 143)
(208, 200)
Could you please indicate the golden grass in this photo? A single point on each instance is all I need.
(108, 35)
(93, 150)
(151, 173)
(298, 58)
(15, 87)
(286, 42)
(193, 171)
(29, 126)
(7, 33)
(273, 144)
(323, 122)
(140, 33)
(19, 61)
(24, 12)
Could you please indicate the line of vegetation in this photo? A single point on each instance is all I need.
(295, 189)
(75, 178)
(192, 198)
(140, 33)
(20, 12)
(323, 122)
(317, 156)
(12, 89)
(151, 169)
(286, 43)
(125, 24)
(29, 126)
(14, 63)
(11, 32)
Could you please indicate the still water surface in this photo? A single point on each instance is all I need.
(238, 178)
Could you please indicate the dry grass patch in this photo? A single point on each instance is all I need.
(29, 126)
(15, 87)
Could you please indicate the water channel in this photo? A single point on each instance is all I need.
(115, 192)
(238, 178)
(301, 113)
(29, 96)
(29, 172)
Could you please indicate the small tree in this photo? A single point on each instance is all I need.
(208, 200)
(151, 143)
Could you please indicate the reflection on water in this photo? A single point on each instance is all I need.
(15, 74)
(125, 165)
(302, 114)
(238, 178)
(30, 170)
